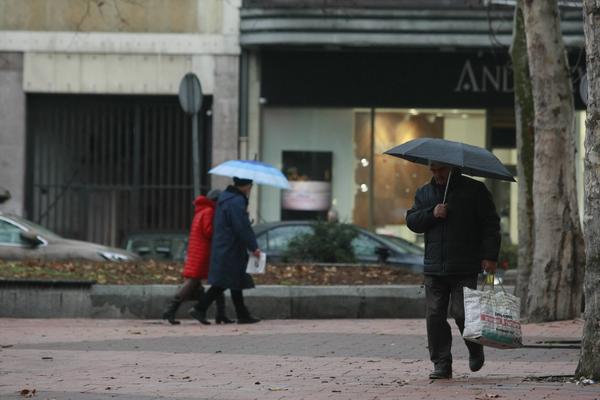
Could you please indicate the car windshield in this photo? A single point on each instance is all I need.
(33, 226)
(403, 244)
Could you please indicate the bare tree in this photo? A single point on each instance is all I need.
(555, 285)
(524, 125)
(589, 363)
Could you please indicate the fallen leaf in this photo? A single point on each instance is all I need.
(28, 393)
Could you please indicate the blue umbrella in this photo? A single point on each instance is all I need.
(259, 172)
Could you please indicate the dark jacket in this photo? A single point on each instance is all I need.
(469, 234)
(199, 242)
(233, 237)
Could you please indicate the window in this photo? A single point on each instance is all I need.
(261, 240)
(280, 238)
(9, 233)
(364, 246)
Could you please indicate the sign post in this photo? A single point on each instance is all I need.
(190, 99)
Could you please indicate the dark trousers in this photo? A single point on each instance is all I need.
(192, 289)
(215, 292)
(439, 292)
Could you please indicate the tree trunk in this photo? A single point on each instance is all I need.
(524, 125)
(555, 285)
(589, 363)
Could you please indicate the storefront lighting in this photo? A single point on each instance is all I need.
(439, 115)
(364, 188)
(413, 111)
(455, 111)
(464, 116)
(364, 162)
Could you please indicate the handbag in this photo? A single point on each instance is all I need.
(492, 317)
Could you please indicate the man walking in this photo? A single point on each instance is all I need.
(233, 238)
(462, 237)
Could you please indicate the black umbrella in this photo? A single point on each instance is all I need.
(472, 160)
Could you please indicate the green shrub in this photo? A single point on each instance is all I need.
(330, 242)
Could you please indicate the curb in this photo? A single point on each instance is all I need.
(51, 299)
(24, 300)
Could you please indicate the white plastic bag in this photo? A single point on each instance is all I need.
(492, 318)
(257, 265)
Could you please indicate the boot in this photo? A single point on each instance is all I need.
(199, 314)
(441, 372)
(171, 310)
(221, 317)
(248, 319)
(243, 315)
(476, 359)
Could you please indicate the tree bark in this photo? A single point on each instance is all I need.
(555, 285)
(525, 143)
(589, 362)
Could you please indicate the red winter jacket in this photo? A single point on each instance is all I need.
(198, 251)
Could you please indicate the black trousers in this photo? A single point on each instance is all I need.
(441, 291)
(192, 289)
(215, 292)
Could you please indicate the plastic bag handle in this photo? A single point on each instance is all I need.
(489, 279)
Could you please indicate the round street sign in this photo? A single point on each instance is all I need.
(190, 93)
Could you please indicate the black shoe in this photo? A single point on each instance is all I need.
(476, 361)
(223, 320)
(248, 320)
(200, 315)
(171, 318)
(441, 373)
(170, 312)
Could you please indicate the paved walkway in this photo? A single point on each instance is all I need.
(280, 359)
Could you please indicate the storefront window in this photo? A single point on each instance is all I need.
(338, 153)
(386, 185)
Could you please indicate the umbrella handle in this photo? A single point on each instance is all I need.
(447, 184)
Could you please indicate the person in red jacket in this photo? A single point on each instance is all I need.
(197, 260)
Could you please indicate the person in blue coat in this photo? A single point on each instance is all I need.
(233, 240)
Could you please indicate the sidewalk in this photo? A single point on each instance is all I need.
(275, 359)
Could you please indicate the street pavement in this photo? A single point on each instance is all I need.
(91, 359)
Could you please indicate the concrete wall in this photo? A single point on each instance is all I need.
(21, 300)
(12, 131)
(178, 16)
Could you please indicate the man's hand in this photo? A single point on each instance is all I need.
(440, 211)
(256, 253)
(489, 266)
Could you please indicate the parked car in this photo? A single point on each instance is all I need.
(170, 246)
(369, 248)
(22, 239)
(405, 244)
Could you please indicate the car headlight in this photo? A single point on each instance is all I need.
(110, 256)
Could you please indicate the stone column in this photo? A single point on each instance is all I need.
(225, 134)
(12, 131)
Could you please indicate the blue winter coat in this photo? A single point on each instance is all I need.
(233, 237)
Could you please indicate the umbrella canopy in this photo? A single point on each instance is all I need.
(258, 171)
(472, 160)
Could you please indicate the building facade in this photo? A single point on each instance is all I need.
(93, 143)
(331, 85)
